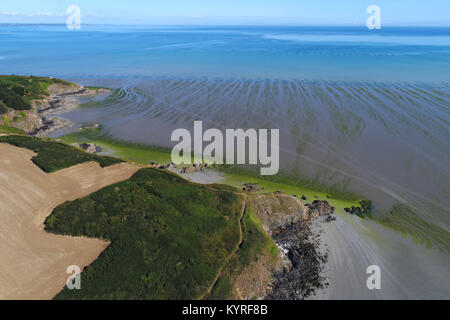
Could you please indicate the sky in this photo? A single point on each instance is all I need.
(229, 12)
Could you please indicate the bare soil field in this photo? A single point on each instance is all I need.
(33, 263)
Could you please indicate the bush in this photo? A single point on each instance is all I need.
(169, 237)
(3, 107)
(53, 156)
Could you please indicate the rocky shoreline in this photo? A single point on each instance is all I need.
(305, 275)
(60, 102)
(42, 119)
(287, 220)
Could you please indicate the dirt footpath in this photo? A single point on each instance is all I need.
(33, 262)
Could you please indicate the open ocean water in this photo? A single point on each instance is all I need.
(366, 111)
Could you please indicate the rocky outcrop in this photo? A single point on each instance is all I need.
(167, 166)
(365, 209)
(287, 219)
(90, 148)
(304, 276)
(277, 210)
(41, 120)
(251, 187)
(318, 208)
(196, 167)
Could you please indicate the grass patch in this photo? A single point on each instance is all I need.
(168, 236)
(5, 121)
(10, 130)
(17, 92)
(53, 156)
(255, 244)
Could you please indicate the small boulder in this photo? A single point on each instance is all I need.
(90, 147)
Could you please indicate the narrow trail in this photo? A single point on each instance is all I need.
(241, 238)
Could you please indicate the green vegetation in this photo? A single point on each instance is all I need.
(403, 219)
(10, 130)
(3, 107)
(53, 156)
(256, 244)
(256, 241)
(17, 92)
(292, 186)
(169, 237)
(20, 116)
(309, 188)
(233, 176)
(362, 211)
(5, 121)
(125, 150)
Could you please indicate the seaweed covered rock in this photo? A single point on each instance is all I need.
(90, 147)
(251, 187)
(364, 210)
(318, 208)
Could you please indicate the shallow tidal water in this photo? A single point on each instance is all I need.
(386, 142)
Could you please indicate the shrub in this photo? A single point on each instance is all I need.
(53, 156)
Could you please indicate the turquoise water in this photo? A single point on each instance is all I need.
(317, 53)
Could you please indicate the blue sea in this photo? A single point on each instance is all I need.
(312, 53)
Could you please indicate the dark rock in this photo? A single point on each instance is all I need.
(90, 147)
(251, 187)
(305, 275)
(319, 208)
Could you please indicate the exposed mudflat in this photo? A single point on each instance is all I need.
(408, 270)
(33, 262)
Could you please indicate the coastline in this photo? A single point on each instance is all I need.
(60, 103)
(348, 240)
(42, 119)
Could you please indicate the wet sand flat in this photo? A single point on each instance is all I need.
(408, 270)
(33, 262)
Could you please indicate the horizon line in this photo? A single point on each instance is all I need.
(221, 25)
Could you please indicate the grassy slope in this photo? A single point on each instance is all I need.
(17, 92)
(10, 130)
(256, 243)
(168, 236)
(53, 156)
